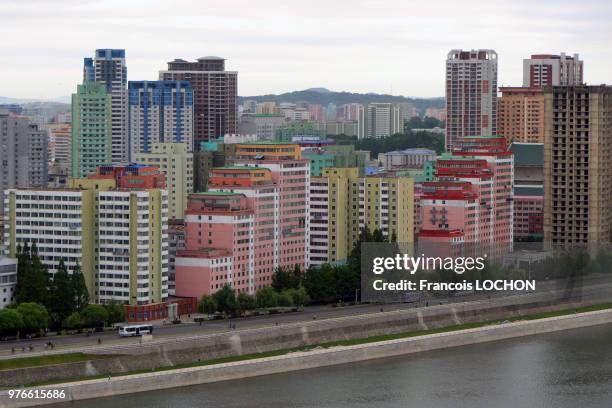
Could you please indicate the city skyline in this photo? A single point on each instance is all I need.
(277, 48)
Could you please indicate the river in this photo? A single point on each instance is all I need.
(564, 369)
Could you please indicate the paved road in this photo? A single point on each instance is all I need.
(310, 313)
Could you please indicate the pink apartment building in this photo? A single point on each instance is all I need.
(471, 200)
(253, 219)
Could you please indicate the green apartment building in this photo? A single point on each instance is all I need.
(91, 129)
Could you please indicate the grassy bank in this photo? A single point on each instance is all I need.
(51, 359)
(81, 357)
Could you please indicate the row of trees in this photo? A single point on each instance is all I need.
(63, 295)
(398, 141)
(228, 302)
(27, 318)
(33, 318)
(329, 283)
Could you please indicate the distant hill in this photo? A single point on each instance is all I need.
(324, 96)
(22, 101)
(15, 101)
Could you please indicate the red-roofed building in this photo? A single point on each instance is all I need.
(470, 200)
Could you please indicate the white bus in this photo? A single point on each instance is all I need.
(135, 330)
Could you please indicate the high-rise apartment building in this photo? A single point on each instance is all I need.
(214, 95)
(528, 191)
(382, 120)
(113, 225)
(317, 112)
(253, 219)
(470, 199)
(159, 111)
(60, 145)
(176, 162)
(91, 129)
(552, 70)
(521, 115)
(267, 108)
(471, 94)
(342, 204)
(108, 68)
(23, 153)
(577, 166)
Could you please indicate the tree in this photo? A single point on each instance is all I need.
(116, 313)
(226, 300)
(10, 322)
(61, 303)
(40, 278)
(319, 283)
(266, 297)
(207, 305)
(74, 321)
(246, 302)
(285, 299)
(32, 276)
(285, 278)
(300, 296)
(22, 289)
(35, 317)
(94, 316)
(399, 141)
(79, 289)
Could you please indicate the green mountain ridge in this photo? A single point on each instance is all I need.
(324, 96)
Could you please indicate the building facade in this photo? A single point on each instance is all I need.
(409, 158)
(552, 70)
(262, 125)
(176, 162)
(252, 219)
(23, 153)
(342, 204)
(382, 120)
(113, 226)
(470, 200)
(109, 69)
(8, 281)
(92, 137)
(60, 145)
(214, 95)
(471, 94)
(159, 111)
(577, 166)
(521, 115)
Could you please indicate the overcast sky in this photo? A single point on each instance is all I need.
(280, 45)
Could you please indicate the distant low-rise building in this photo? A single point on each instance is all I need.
(264, 126)
(409, 158)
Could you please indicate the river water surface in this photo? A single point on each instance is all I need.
(570, 369)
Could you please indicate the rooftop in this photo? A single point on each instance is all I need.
(216, 193)
(528, 154)
(412, 151)
(534, 191)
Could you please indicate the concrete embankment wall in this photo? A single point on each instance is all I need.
(316, 358)
(162, 353)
